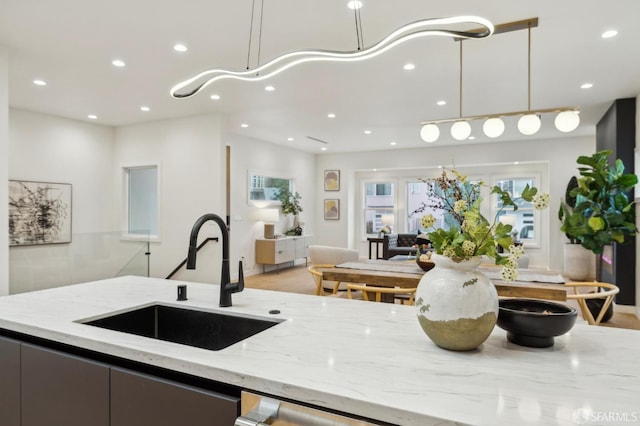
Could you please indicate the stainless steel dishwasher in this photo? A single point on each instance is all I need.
(258, 410)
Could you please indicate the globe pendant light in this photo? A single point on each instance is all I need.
(567, 121)
(460, 130)
(529, 124)
(493, 127)
(430, 133)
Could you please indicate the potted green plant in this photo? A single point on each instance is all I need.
(291, 206)
(602, 213)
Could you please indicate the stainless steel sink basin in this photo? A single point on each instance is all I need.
(202, 329)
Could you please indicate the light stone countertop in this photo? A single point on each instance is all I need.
(369, 359)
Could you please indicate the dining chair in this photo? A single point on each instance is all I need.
(608, 293)
(328, 257)
(379, 291)
(321, 289)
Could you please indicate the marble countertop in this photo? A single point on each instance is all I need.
(369, 359)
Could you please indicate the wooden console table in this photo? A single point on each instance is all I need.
(277, 251)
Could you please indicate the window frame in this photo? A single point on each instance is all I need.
(536, 241)
(125, 234)
(363, 204)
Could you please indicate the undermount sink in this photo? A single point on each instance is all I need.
(202, 329)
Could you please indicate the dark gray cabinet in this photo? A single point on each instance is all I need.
(61, 389)
(138, 399)
(9, 382)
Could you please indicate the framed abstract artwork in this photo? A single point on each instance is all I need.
(332, 209)
(332, 180)
(39, 213)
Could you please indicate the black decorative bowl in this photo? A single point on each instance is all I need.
(534, 323)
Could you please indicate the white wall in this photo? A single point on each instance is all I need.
(52, 149)
(4, 169)
(191, 158)
(252, 155)
(560, 154)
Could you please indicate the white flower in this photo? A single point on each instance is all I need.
(508, 274)
(468, 248)
(540, 201)
(460, 206)
(516, 252)
(427, 221)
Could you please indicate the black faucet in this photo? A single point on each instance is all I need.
(226, 287)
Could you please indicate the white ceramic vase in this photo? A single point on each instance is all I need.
(456, 305)
(578, 263)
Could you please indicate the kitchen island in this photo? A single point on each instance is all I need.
(366, 359)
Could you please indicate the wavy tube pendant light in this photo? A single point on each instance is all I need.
(421, 28)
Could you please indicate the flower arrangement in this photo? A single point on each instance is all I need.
(470, 233)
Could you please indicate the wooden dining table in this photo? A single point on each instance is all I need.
(407, 274)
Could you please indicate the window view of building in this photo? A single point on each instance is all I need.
(379, 200)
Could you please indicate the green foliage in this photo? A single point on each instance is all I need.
(602, 213)
(290, 202)
(471, 234)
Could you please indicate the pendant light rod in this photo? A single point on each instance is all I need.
(529, 69)
(460, 106)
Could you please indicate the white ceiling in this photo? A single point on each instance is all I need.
(71, 43)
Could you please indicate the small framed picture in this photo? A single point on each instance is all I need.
(332, 180)
(332, 209)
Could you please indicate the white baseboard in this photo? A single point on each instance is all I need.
(627, 309)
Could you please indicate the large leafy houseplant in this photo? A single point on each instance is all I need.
(291, 206)
(602, 213)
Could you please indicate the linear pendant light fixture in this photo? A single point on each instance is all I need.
(529, 123)
(422, 28)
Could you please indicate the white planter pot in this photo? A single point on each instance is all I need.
(579, 263)
(456, 305)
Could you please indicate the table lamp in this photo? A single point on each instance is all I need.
(269, 217)
(387, 219)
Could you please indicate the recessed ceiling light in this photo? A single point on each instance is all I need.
(393, 143)
(354, 4)
(472, 138)
(118, 63)
(586, 86)
(215, 97)
(324, 148)
(440, 103)
(92, 116)
(331, 115)
(609, 34)
(145, 108)
(409, 67)
(516, 162)
(290, 139)
(367, 132)
(39, 82)
(180, 48)
(269, 88)
(244, 125)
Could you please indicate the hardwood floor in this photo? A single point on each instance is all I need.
(298, 280)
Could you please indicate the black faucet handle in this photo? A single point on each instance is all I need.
(240, 278)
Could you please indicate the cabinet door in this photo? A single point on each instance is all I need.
(302, 243)
(61, 389)
(9, 382)
(138, 399)
(285, 250)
